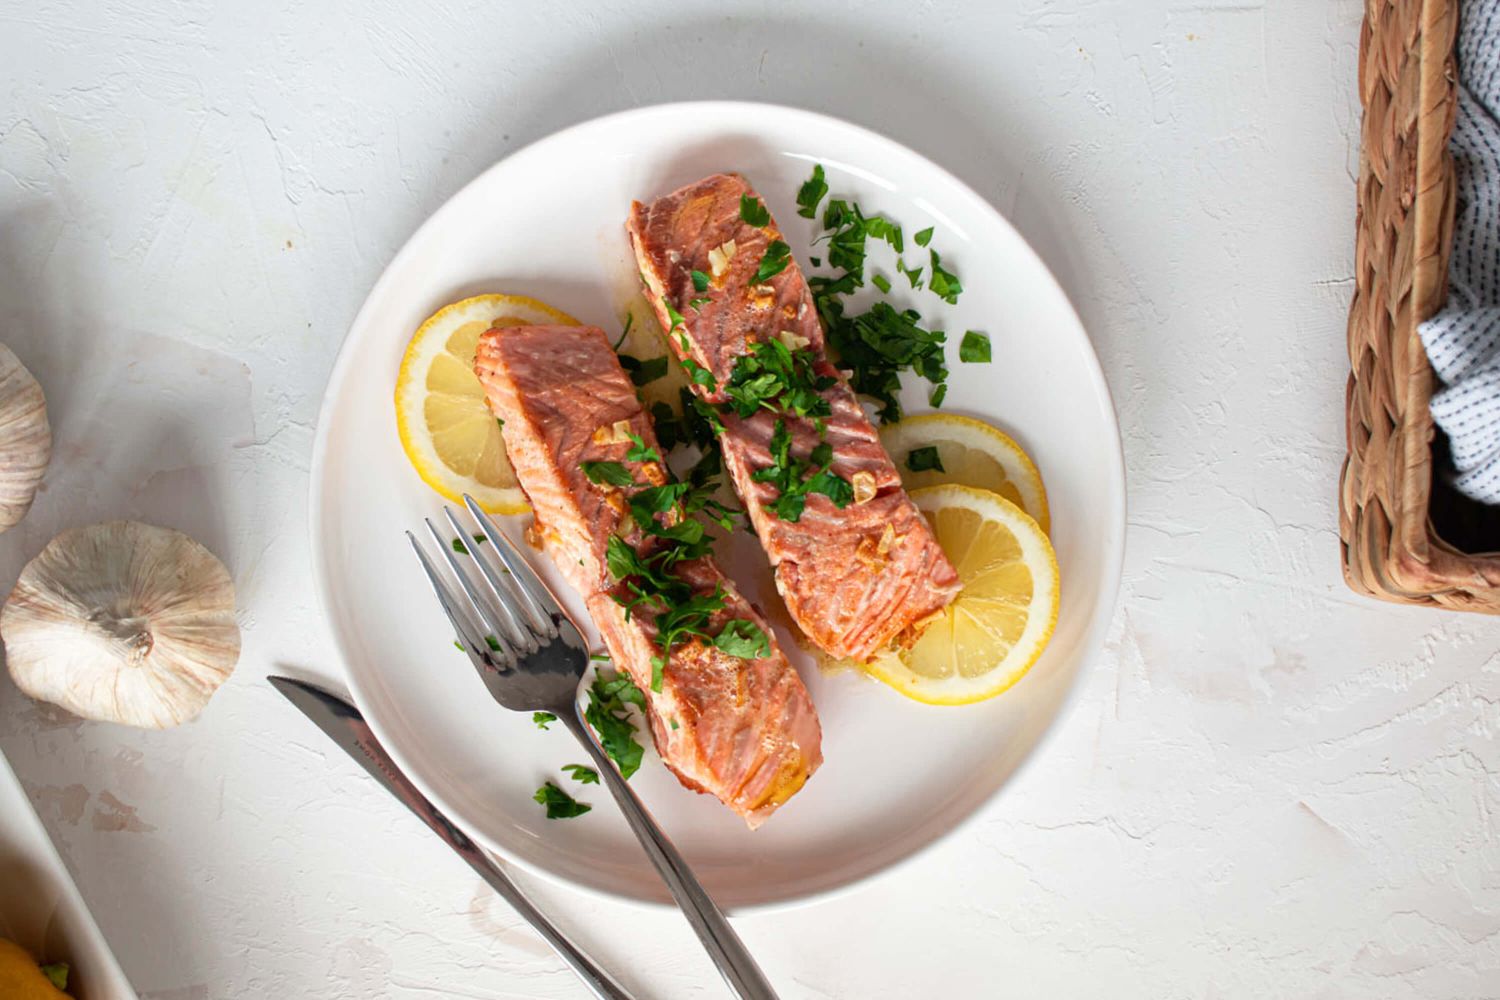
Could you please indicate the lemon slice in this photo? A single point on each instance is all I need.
(1000, 622)
(972, 453)
(446, 430)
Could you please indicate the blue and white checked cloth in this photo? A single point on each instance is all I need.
(1463, 340)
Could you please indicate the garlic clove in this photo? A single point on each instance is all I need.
(25, 438)
(122, 622)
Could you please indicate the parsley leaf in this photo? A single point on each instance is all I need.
(753, 212)
(672, 314)
(974, 347)
(881, 228)
(699, 375)
(923, 238)
(609, 473)
(629, 319)
(877, 345)
(608, 696)
(943, 283)
(56, 973)
(460, 547)
(938, 395)
(582, 773)
(811, 192)
(560, 805)
(542, 719)
(774, 377)
(913, 274)
(639, 450)
(778, 256)
(700, 281)
(743, 638)
(881, 282)
(493, 643)
(696, 305)
(794, 478)
(644, 372)
(924, 459)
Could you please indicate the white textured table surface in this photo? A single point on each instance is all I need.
(1269, 787)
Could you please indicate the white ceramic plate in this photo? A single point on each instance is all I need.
(549, 222)
(40, 908)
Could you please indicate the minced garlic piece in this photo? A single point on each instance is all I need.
(616, 433)
(864, 487)
(762, 296)
(887, 537)
(793, 340)
(719, 258)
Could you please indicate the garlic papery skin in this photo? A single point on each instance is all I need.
(122, 622)
(25, 438)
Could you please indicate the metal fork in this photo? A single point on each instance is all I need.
(531, 657)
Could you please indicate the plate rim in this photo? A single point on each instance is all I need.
(1090, 646)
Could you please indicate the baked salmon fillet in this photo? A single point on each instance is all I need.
(857, 570)
(739, 727)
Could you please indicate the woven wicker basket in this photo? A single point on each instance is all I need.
(1406, 536)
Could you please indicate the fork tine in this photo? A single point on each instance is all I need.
(485, 614)
(514, 629)
(467, 634)
(536, 600)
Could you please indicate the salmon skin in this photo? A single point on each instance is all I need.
(743, 730)
(856, 577)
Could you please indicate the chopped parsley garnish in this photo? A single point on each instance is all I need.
(775, 377)
(582, 773)
(672, 314)
(459, 645)
(644, 372)
(608, 473)
(639, 450)
(598, 657)
(493, 643)
(744, 639)
(753, 213)
(459, 546)
(608, 696)
(674, 724)
(935, 399)
(56, 973)
(943, 283)
(542, 719)
(696, 305)
(975, 347)
(924, 459)
(796, 478)
(811, 193)
(778, 256)
(629, 318)
(877, 345)
(700, 281)
(699, 375)
(560, 805)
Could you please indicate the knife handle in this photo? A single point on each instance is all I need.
(719, 939)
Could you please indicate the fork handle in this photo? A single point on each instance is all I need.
(708, 921)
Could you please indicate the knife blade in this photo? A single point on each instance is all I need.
(344, 724)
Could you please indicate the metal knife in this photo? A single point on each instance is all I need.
(342, 722)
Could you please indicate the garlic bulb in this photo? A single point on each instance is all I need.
(25, 438)
(123, 622)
